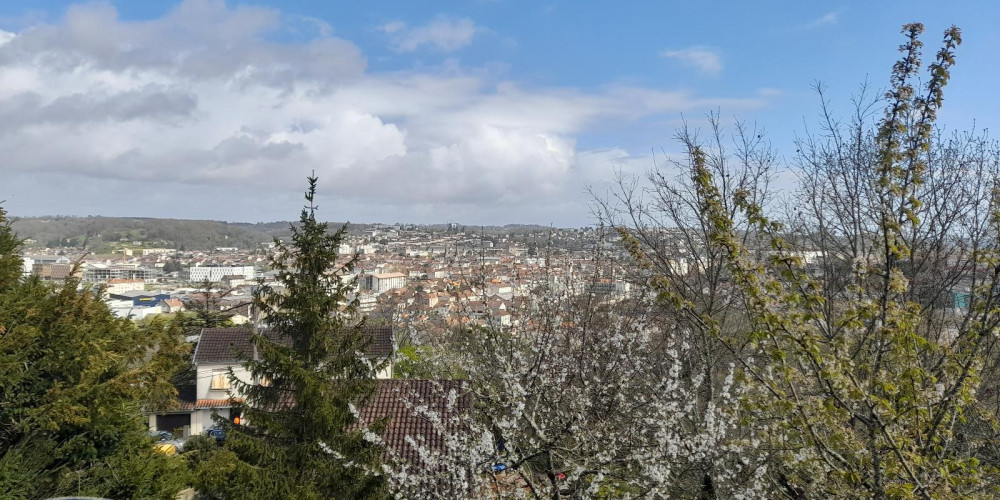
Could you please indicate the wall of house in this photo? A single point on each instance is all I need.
(205, 373)
(201, 419)
(385, 372)
(204, 385)
(389, 282)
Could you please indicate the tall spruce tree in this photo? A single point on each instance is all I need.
(299, 437)
(73, 383)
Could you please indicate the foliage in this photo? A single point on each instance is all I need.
(817, 357)
(411, 362)
(172, 266)
(864, 373)
(73, 383)
(10, 262)
(298, 438)
(206, 309)
(427, 360)
(588, 397)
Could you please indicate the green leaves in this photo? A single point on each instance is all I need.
(868, 377)
(10, 261)
(73, 383)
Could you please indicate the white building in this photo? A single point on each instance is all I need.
(125, 309)
(158, 251)
(505, 290)
(30, 261)
(382, 282)
(216, 273)
(121, 285)
(366, 302)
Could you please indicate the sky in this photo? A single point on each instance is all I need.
(475, 111)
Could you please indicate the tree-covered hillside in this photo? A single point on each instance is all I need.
(105, 234)
(101, 234)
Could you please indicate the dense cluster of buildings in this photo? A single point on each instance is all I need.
(407, 277)
(405, 272)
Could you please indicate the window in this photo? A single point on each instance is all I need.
(220, 380)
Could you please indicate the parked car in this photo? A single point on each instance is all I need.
(178, 443)
(166, 447)
(166, 443)
(161, 435)
(218, 434)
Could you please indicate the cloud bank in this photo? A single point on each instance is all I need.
(208, 111)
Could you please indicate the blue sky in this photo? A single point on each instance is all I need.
(485, 112)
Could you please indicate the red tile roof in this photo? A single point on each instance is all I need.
(224, 345)
(397, 401)
(209, 403)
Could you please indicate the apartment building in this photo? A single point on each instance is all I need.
(198, 274)
(382, 282)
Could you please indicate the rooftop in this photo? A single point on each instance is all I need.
(405, 404)
(229, 345)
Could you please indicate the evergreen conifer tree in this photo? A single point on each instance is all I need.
(298, 437)
(10, 262)
(73, 383)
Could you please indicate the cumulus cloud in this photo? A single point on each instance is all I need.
(701, 58)
(158, 113)
(442, 33)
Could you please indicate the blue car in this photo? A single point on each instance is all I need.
(218, 434)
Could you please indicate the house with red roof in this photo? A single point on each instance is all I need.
(223, 350)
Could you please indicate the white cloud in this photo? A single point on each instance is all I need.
(828, 19)
(701, 58)
(393, 27)
(442, 33)
(201, 110)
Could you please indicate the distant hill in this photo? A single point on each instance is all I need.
(106, 234)
(102, 234)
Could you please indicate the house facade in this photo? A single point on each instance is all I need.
(220, 350)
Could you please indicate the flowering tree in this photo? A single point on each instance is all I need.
(589, 396)
(837, 353)
(865, 374)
